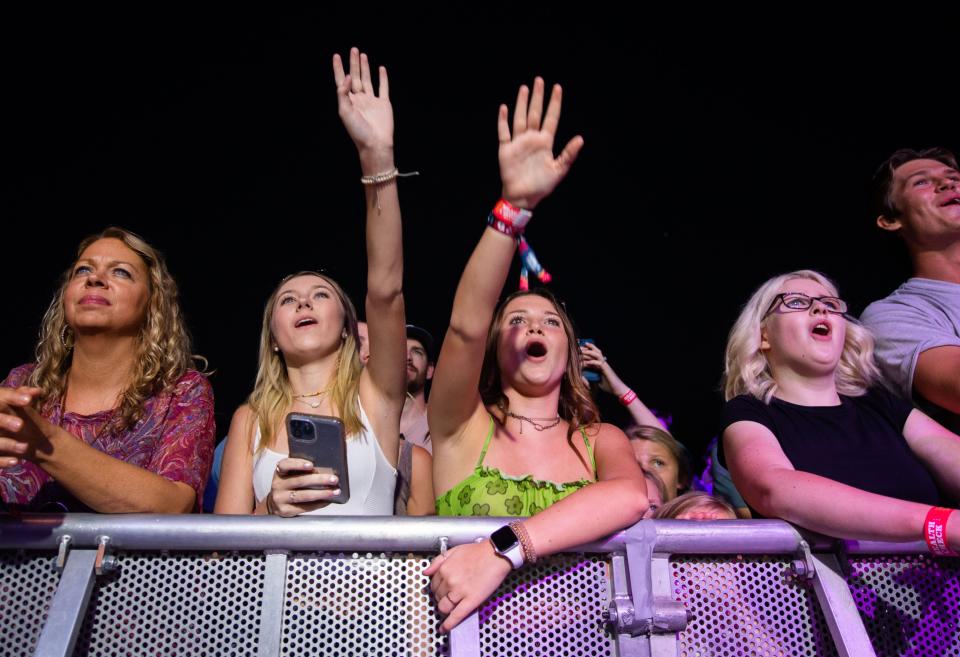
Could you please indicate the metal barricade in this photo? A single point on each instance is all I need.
(104, 585)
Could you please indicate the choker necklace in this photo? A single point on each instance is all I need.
(316, 404)
(533, 421)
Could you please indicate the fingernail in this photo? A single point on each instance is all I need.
(12, 462)
(307, 464)
(23, 399)
(336, 492)
(333, 479)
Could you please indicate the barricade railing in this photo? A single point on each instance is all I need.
(104, 585)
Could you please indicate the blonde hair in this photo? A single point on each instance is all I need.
(695, 499)
(272, 393)
(746, 370)
(163, 347)
(576, 405)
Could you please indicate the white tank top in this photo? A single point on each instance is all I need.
(372, 478)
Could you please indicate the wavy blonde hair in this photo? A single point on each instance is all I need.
(746, 370)
(163, 347)
(576, 405)
(272, 394)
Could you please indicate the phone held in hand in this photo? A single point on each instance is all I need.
(590, 375)
(321, 440)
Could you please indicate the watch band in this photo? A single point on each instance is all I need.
(507, 544)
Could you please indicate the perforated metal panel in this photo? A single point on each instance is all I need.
(176, 604)
(359, 606)
(747, 606)
(27, 585)
(551, 608)
(909, 604)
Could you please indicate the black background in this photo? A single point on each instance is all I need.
(717, 155)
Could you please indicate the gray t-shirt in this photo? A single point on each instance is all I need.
(919, 315)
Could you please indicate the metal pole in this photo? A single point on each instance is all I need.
(271, 611)
(839, 609)
(69, 605)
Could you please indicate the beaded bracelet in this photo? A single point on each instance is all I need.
(529, 554)
(386, 176)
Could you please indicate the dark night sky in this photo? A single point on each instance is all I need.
(713, 160)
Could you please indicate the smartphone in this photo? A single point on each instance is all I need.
(592, 376)
(321, 440)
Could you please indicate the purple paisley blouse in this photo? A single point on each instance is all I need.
(174, 439)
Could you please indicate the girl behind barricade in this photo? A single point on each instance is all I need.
(309, 350)
(514, 429)
(811, 436)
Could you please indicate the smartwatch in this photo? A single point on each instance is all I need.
(506, 543)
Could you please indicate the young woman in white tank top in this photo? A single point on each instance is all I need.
(309, 359)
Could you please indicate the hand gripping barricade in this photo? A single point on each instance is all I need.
(236, 585)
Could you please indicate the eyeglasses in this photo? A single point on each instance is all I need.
(798, 301)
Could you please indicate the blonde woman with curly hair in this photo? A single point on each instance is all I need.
(811, 436)
(111, 417)
(514, 430)
(309, 351)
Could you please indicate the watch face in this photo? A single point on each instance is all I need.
(504, 539)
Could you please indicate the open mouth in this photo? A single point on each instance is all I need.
(952, 201)
(821, 328)
(536, 349)
(306, 321)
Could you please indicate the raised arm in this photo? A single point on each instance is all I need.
(368, 118)
(529, 172)
(594, 358)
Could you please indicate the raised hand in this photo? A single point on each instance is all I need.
(593, 358)
(528, 169)
(367, 116)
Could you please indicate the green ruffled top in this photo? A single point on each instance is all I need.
(489, 492)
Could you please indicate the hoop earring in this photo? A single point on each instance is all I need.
(63, 336)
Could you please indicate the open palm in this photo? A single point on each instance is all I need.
(528, 169)
(367, 117)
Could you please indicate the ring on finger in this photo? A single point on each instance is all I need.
(293, 497)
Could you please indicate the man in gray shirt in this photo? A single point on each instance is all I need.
(918, 326)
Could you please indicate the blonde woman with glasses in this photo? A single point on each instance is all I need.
(811, 436)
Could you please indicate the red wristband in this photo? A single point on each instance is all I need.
(627, 398)
(500, 225)
(516, 217)
(935, 531)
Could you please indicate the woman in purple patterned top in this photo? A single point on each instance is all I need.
(111, 417)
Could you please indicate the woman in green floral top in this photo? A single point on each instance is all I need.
(514, 430)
